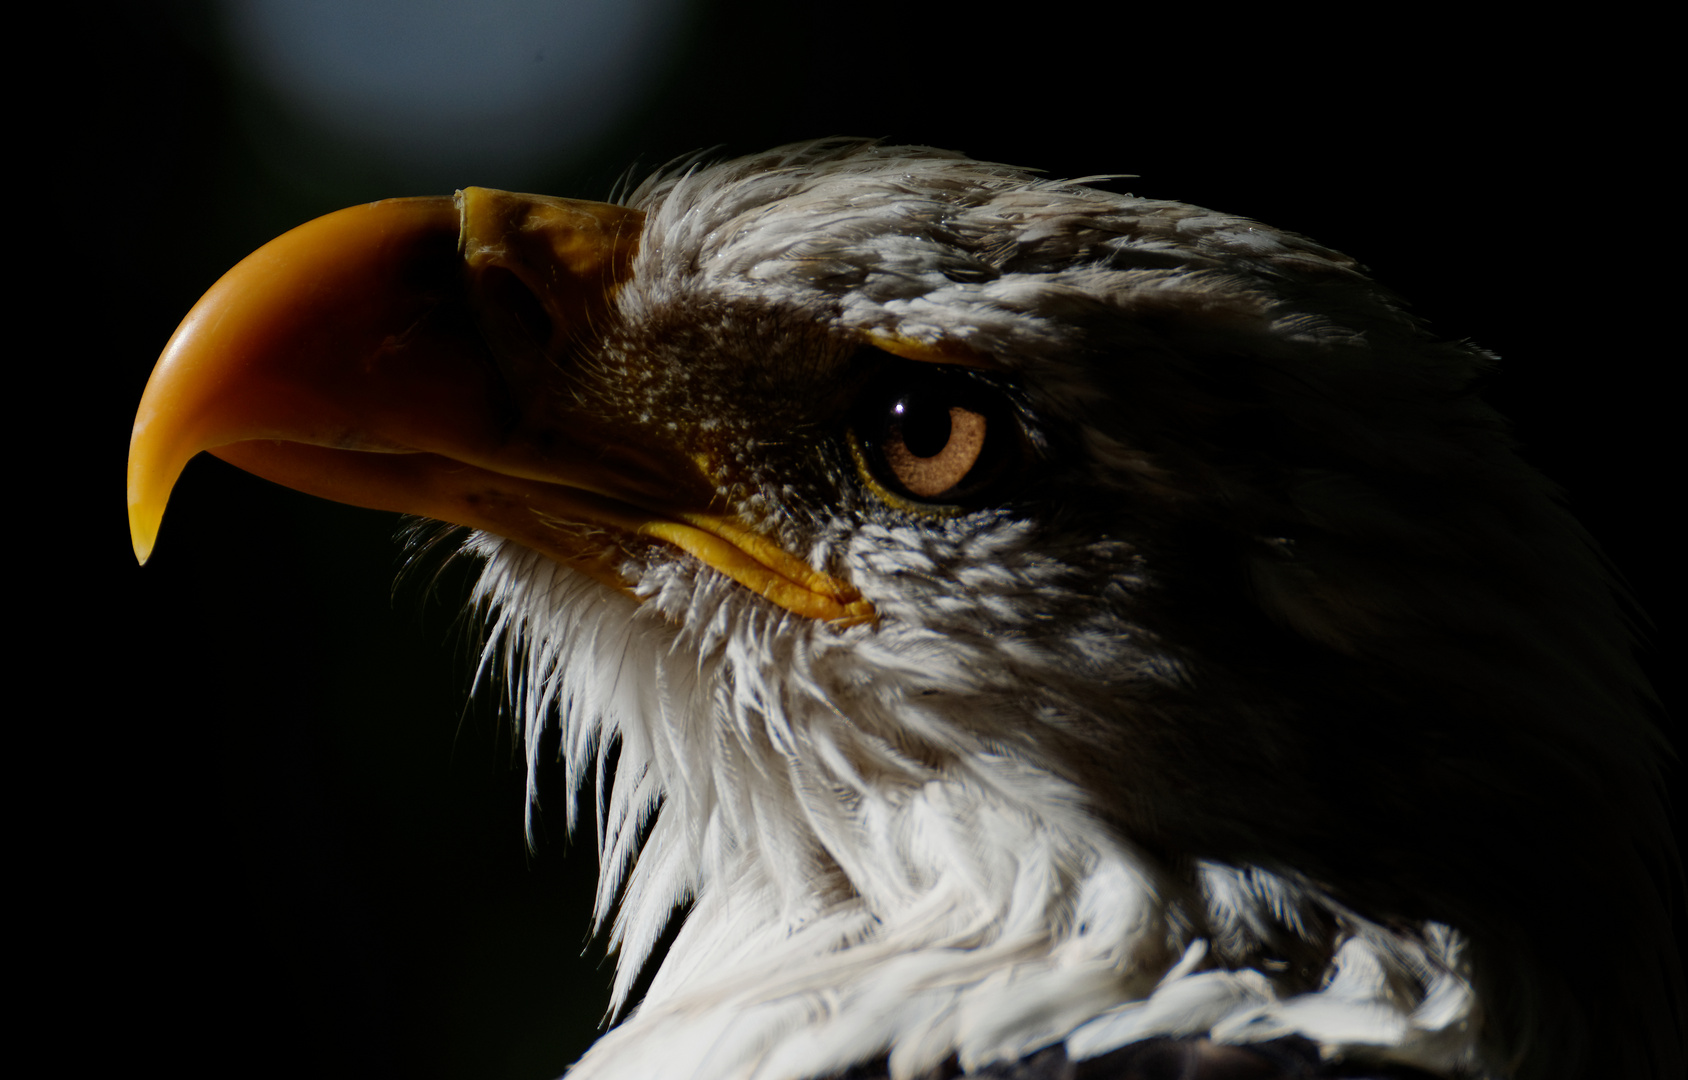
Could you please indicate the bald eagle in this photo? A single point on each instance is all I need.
(1045, 631)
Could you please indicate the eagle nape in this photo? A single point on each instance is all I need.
(1050, 632)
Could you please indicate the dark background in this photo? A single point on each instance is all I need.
(263, 831)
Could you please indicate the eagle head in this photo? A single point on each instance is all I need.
(1037, 624)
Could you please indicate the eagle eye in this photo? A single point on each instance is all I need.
(937, 436)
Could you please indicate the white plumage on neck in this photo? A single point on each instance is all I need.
(868, 871)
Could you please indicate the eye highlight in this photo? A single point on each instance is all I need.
(935, 434)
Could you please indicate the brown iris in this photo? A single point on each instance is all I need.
(930, 446)
(941, 436)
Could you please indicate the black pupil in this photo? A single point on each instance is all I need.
(924, 423)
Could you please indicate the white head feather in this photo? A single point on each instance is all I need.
(962, 831)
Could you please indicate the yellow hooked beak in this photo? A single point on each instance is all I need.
(387, 356)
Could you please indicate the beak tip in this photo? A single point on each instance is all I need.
(144, 518)
(142, 538)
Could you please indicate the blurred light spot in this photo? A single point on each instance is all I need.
(496, 86)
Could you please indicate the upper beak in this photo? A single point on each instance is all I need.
(401, 355)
